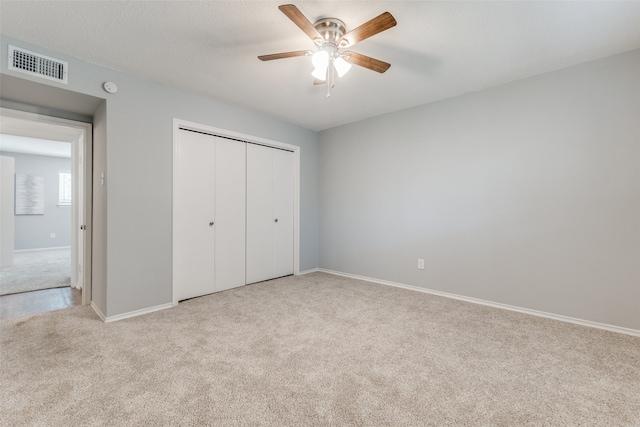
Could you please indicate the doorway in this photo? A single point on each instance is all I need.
(46, 211)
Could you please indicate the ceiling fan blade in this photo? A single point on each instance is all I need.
(367, 62)
(317, 82)
(300, 20)
(370, 28)
(283, 55)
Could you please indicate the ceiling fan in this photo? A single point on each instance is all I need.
(330, 37)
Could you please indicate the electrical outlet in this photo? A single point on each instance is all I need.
(420, 264)
(53, 235)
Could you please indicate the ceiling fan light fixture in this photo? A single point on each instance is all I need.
(320, 73)
(320, 61)
(342, 67)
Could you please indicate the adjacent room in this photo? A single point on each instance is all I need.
(42, 217)
(322, 213)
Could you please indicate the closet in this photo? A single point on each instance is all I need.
(233, 213)
(269, 213)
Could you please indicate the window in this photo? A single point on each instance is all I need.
(64, 189)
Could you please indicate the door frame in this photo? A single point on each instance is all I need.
(251, 139)
(81, 205)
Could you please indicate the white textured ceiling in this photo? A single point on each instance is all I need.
(437, 50)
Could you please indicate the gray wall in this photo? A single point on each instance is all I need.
(526, 194)
(138, 162)
(33, 231)
(99, 214)
(7, 166)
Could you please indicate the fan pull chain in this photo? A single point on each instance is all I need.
(328, 90)
(331, 79)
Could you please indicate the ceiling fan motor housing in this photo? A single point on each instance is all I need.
(331, 29)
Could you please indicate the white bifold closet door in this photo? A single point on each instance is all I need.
(209, 215)
(269, 213)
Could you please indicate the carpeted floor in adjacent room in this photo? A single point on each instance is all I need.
(316, 350)
(36, 270)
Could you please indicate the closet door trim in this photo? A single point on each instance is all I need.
(224, 133)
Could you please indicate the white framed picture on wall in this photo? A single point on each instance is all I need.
(29, 194)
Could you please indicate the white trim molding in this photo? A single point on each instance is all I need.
(581, 322)
(98, 312)
(109, 319)
(312, 270)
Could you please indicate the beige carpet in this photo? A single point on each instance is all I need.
(316, 350)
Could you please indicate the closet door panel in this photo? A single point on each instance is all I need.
(260, 218)
(230, 214)
(194, 209)
(283, 211)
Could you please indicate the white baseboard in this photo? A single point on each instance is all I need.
(313, 270)
(98, 312)
(582, 322)
(42, 249)
(129, 314)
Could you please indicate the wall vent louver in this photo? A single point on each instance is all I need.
(35, 64)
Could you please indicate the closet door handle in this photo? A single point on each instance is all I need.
(275, 220)
(210, 223)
